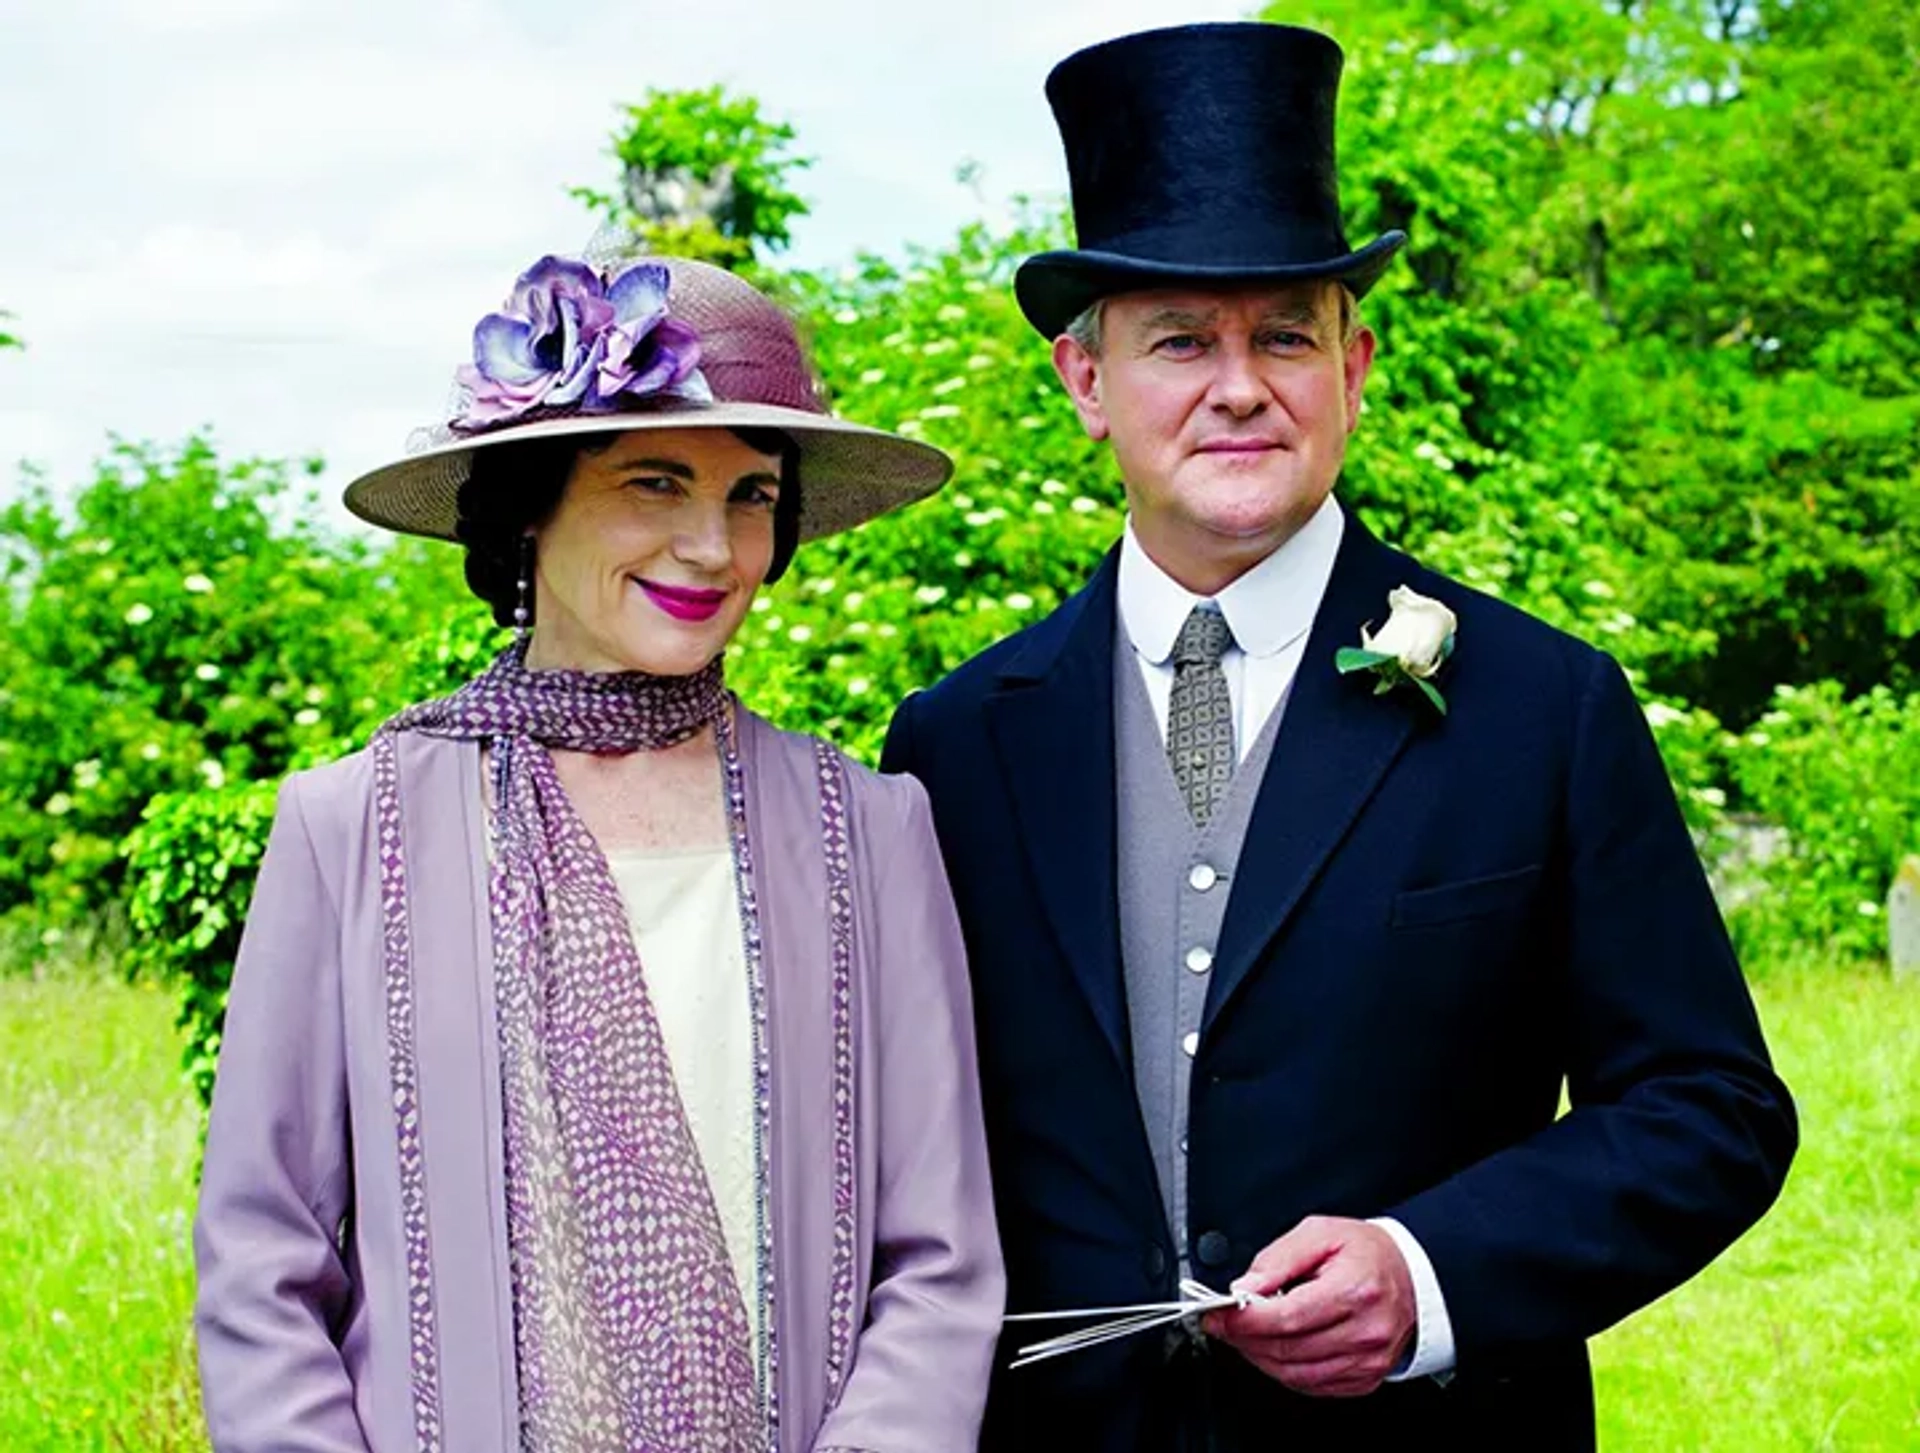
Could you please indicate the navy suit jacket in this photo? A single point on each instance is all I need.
(1436, 923)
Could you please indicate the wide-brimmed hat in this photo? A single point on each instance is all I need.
(659, 343)
(1201, 153)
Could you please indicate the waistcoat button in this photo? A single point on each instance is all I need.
(1213, 1249)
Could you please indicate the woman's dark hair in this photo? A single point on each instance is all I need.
(515, 487)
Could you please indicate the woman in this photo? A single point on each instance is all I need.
(598, 1073)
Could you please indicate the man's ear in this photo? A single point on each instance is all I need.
(1079, 371)
(1356, 366)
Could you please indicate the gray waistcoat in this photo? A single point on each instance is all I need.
(1174, 881)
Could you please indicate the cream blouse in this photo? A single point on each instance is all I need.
(684, 910)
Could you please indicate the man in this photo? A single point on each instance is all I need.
(1279, 971)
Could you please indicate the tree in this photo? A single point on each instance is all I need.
(8, 340)
(1664, 256)
(703, 174)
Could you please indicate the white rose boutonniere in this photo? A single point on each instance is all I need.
(1411, 648)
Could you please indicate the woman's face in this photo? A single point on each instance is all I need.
(651, 559)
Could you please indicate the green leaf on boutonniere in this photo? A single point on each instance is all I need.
(1349, 659)
(1433, 694)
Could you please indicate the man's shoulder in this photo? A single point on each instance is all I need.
(975, 677)
(1538, 673)
(1506, 627)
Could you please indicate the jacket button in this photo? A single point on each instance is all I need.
(1156, 1262)
(1213, 1249)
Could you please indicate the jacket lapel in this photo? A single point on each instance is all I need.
(1052, 727)
(1336, 742)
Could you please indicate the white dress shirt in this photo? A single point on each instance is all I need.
(1270, 611)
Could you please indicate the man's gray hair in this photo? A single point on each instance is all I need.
(1088, 331)
(1085, 328)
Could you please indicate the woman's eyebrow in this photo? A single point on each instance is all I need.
(658, 466)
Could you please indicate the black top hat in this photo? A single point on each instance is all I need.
(1198, 153)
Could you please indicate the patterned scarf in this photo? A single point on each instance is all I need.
(629, 1324)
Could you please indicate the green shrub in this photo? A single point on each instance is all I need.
(1841, 779)
(191, 865)
(936, 349)
(181, 624)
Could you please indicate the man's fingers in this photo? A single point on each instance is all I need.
(1296, 1255)
(1367, 1340)
(1309, 1307)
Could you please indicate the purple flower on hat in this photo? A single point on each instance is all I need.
(568, 341)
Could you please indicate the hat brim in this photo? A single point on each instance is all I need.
(1054, 288)
(848, 473)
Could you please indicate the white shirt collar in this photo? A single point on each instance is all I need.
(1267, 609)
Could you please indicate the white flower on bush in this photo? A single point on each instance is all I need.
(150, 752)
(214, 773)
(930, 594)
(859, 686)
(59, 805)
(306, 716)
(206, 671)
(139, 613)
(1659, 714)
(197, 584)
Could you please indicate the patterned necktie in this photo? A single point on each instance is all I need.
(1200, 714)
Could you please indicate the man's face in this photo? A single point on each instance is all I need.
(1228, 411)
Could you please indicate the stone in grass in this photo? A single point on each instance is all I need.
(1903, 921)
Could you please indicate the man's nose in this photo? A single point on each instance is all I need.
(1238, 388)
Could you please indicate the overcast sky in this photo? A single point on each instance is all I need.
(279, 219)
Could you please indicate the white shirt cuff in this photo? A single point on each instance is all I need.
(1432, 1353)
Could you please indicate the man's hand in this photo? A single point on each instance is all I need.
(1346, 1321)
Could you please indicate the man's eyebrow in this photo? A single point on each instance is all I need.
(1302, 314)
(1182, 319)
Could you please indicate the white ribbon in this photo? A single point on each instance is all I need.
(1196, 1298)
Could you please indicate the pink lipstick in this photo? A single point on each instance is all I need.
(682, 603)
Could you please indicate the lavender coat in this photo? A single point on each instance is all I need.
(302, 1316)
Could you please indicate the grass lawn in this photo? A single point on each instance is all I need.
(1805, 1337)
(97, 1147)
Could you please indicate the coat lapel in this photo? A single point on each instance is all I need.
(1052, 727)
(1336, 742)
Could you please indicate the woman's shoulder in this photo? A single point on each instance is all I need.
(338, 796)
(875, 798)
